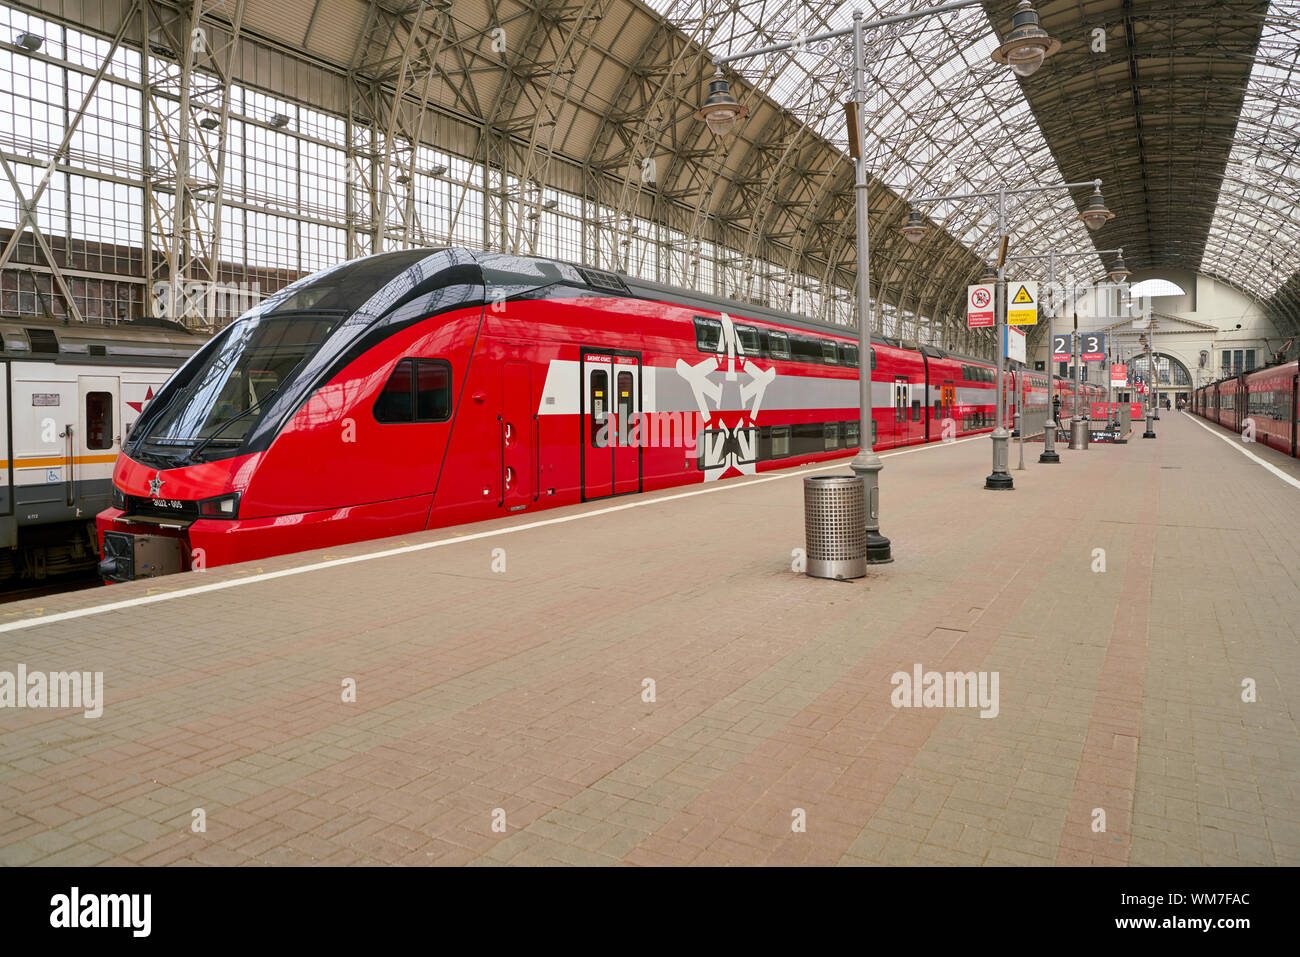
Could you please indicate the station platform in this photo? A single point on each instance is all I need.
(517, 699)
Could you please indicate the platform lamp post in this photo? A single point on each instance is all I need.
(1117, 273)
(1093, 216)
(1025, 48)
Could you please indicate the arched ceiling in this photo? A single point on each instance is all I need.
(1189, 115)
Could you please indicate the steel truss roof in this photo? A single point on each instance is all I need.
(1189, 116)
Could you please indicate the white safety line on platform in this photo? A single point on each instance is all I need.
(455, 540)
(1240, 447)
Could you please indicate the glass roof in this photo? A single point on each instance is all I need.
(1254, 240)
(946, 118)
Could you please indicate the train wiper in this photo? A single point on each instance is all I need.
(193, 453)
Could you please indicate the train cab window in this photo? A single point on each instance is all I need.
(600, 407)
(99, 420)
(708, 334)
(748, 339)
(432, 391)
(419, 390)
(848, 355)
(830, 355)
(778, 345)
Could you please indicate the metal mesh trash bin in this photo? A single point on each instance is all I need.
(835, 526)
(1079, 434)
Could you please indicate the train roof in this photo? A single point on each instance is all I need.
(347, 286)
(146, 343)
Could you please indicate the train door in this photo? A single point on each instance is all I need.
(627, 403)
(92, 453)
(1295, 412)
(899, 425)
(611, 399)
(518, 437)
(7, 476)
(947, 406)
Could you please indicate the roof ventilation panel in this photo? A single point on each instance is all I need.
(600, 279)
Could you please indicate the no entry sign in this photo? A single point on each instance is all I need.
(979, 306)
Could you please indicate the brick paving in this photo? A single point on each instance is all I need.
(499, 716)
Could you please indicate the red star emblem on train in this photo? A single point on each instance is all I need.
(139, 406)
(728, 436)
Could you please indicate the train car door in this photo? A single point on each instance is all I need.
(627, 404)
(518, 437)
(7, 476)
(94, 450)
(947, 404)
(1295, 413)
(611, 400)
(899, 424)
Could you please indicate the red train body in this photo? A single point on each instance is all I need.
(1268, 398)
(428, 388)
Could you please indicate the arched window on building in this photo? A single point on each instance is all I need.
(1151, 288)
(1170, 373)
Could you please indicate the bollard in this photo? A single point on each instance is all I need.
(835, 526)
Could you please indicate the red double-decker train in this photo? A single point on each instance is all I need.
(1265, 402)
(432, 387)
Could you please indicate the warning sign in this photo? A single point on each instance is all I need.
(979, 306)
(1022, 306)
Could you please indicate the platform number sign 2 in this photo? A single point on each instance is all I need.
(1061, 348)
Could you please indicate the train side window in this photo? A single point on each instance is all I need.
(831, 435)
(778, 345)
(805, 350)
(850, 434)
(395, 402)
(432, 390)
(848, 355)
(599, 408)
(708, 334)
(873, 366)
(748, 337)
(99, 420)
(830, 355)
(780, 441)
(916, 410)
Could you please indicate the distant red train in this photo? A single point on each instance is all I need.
(433, 387)
(1269, 398)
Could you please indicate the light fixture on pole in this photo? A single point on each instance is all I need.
(914, 229)
(1028, 44)
(1118, 272)
(29, 41)
(720, 109)
(997, 200)
(1095, 214)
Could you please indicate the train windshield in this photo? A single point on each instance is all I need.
(209, 417)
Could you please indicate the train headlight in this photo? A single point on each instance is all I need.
(222, 506)
(119, 498)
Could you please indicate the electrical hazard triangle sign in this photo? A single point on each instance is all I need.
(1022, 310)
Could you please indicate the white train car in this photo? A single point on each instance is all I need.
(70, 395)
